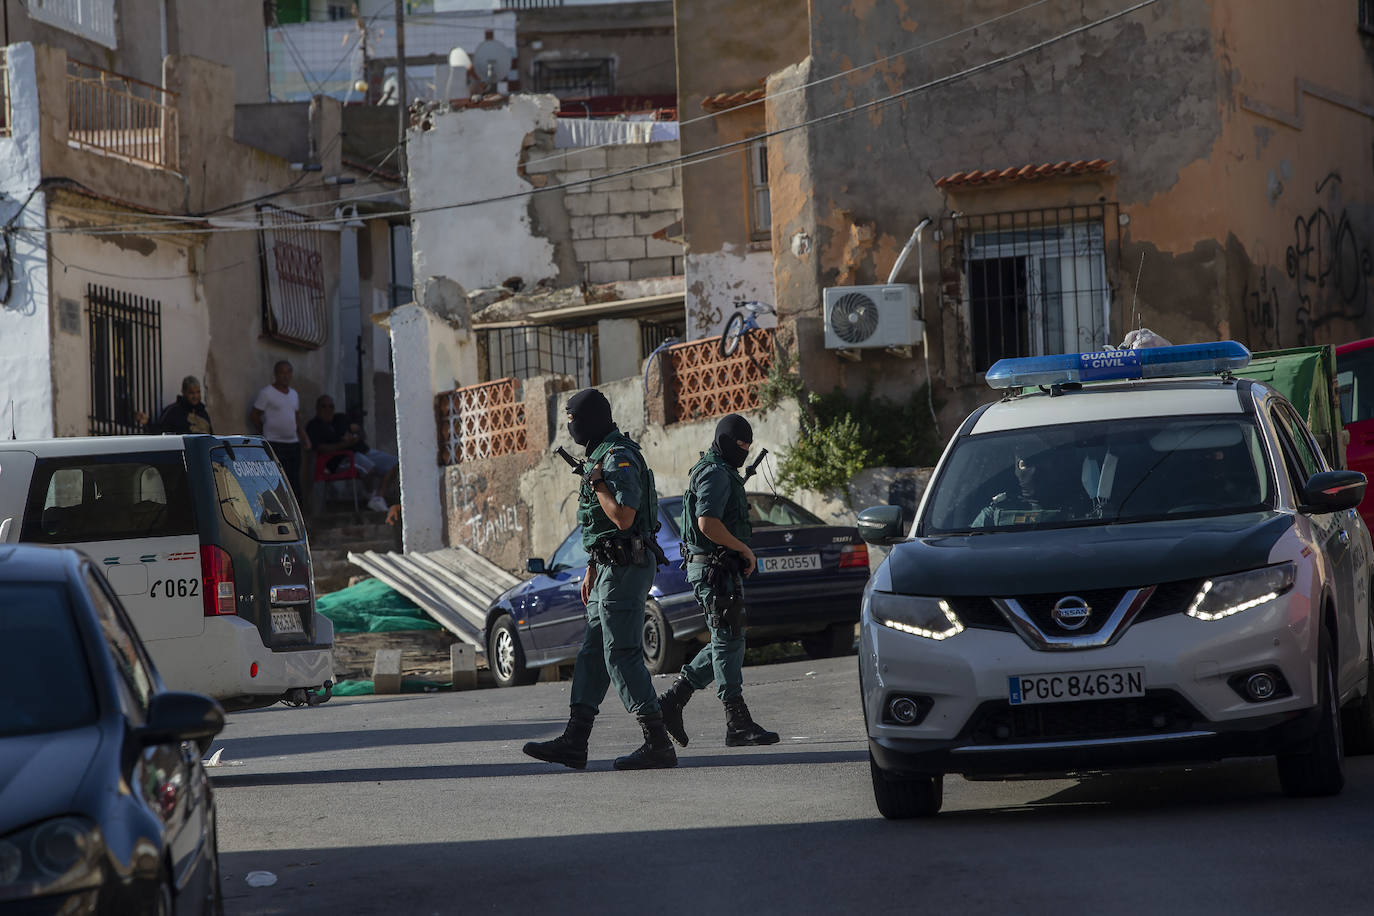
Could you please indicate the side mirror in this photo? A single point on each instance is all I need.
(881, 525)
(1333, 491)
(175, 716)
(536, 565)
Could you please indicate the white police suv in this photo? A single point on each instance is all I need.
(1155, 567)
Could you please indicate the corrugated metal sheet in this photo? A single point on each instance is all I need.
(454, 585)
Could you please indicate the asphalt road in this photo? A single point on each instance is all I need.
(424, 804)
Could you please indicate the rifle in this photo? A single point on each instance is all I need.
(573, 463)
(753, 468)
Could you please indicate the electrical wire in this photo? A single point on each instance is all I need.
(199, 273)
(707, 154)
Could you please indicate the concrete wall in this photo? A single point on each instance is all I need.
(726, 46)
(1239, 132)
(637, 36)
(26, 403)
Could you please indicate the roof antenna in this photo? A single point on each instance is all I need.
(1135, 314)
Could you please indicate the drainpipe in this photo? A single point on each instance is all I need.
(915, 242)
(906, 252)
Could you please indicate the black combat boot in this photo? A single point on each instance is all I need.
(740, 727)
(656, 753)
(569, 748)
(671, 702)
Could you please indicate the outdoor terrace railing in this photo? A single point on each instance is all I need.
(705, 384)
(121, 116)
(480, 421)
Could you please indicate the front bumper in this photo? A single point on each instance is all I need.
(1190, 712)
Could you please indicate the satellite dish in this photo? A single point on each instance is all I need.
(491, 61)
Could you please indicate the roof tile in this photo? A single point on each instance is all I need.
(1030, 172)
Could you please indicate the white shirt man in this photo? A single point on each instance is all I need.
(276, 414)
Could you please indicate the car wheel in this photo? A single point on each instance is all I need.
(1357, 724)
(1318, 769)
(832, 642)
(901, 799)
(506, 657)
(662, 653)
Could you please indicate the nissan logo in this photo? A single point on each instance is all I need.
(1071, 612)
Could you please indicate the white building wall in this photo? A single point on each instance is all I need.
(141, 266)
(467, 155)
(26, 401)
(716, 280)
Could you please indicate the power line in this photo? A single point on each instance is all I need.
(710, 152)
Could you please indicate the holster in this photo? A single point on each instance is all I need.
(626, 550)
(726, 607)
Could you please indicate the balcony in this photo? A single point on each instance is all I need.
(120, 116)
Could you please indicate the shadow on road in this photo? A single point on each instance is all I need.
(323, 742)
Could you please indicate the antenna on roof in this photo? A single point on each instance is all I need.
(1135, 294)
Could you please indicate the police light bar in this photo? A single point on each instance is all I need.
(1148, 362)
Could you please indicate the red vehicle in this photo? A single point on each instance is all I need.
(1355, 384)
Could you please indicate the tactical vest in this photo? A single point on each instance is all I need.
(596, 524)
(736, 513)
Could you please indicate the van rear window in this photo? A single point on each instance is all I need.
(253, 495)
(108, 498)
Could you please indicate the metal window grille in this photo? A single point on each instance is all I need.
(126, 360)
(4, 95)
(293, 302)
(653, 333)
(1035, 281)
(93, 19)
(582, 77)
(530, 4)
(530, 350)
(1367, 16)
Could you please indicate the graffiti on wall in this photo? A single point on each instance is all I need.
(476, 518)
(1328, 268)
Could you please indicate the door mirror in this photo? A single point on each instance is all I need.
(881, 525)
(174, 716)
(536, 565)
(1333, 491)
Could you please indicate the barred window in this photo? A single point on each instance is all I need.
(1035, 281)
(126, 360)
(760, 209)
(575, 78)
(530, 350)
(293, 302)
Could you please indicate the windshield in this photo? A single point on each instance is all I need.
(47, 682)
(1105, 472)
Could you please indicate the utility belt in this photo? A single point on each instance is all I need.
(627, 550)
(724, 567)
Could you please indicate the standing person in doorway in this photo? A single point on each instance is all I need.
(715, 537)
(616, 509)
(277, 416)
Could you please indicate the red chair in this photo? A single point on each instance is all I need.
(343, 471)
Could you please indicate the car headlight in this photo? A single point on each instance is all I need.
(57, 856)
(928, 617)
(1223, 596)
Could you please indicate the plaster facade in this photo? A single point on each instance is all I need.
(1239, 188)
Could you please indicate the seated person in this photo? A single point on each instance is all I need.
(331, 431)
(1045, 492)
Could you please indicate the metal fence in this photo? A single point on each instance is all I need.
(530, 350)
(126, 360)
(121, 116)
(293, 302)
(652, 334)
(705, 384)
(480, 421)
(1032, 282)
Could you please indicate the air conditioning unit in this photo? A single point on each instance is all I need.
(866, 317)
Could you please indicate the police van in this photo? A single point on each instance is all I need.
(202, 540)
(1137, 557)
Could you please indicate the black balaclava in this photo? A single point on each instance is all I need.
(591, 418)
(729, 429)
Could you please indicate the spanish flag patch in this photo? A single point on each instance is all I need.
(623, 464)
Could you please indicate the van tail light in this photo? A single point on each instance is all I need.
(853, 556)
(217, 575)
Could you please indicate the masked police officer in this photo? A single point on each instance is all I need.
(715, 537)
(616, 509)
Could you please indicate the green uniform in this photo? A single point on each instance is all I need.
(715, 489)
(612, 649)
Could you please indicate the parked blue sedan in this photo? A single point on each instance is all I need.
(808, 586)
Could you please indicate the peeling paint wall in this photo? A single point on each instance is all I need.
(26, 403)
(725, 47)
(468, 155)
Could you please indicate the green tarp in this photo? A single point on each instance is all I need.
(1307, 377)
(372, 606)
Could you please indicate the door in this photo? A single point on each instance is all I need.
(554, 611)
(16, 467)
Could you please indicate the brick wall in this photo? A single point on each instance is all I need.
(611, 223)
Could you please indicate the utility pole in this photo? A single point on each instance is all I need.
(402, 115)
